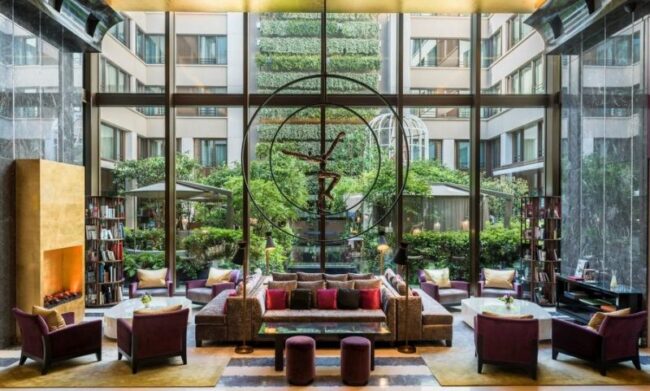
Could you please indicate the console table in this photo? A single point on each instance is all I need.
(281, 331)
(581, 299)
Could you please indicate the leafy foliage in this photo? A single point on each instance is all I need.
(152, 170)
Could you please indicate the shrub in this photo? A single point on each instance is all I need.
(144, 239)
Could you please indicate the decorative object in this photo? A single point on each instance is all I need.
(49, 215)
(241, 258)
(134, 340)
(105, 218)
(590, 275)
(146, 300)
(613, 284)
(268, 248)
(540, 247)
(507, 300)
(580, 268)
(401, 258)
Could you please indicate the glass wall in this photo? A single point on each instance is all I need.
(604, 151)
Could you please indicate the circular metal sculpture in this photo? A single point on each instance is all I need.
(318, 166)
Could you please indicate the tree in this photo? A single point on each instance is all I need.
(152, 170)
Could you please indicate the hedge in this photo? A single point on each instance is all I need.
(277, 114)
(311, 28)
(499, 248)
(316, 15)
(276, 80)
(302, 132)
(311, 63)
(312, 46)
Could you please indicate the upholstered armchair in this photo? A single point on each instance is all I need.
(197, 292)
(166, 291)
(504, 341)
(45, 346)
(446, 296)
(517, 290)
(616, 340)
(152, 336)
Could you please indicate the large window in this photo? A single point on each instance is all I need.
(202, 49)
(150, 47)
(121, 31)
(26, 50)
(202, 111)
(619, 50)
(518, 29)
(212, 152)
(528, 79)
(527, 143)
(111, 143)
(491, 49)
(151, 147)
(427, 52)
(113, 78)
(435, 150)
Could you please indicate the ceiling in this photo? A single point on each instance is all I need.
(366, 6)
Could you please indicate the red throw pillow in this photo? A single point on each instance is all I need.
(326, 299)
(276, 299)
(370, 299)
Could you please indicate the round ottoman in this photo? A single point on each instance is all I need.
(355, 361)
(301, 360)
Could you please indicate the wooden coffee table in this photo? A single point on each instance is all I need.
(281, 331)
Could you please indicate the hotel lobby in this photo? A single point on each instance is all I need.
(286, 194)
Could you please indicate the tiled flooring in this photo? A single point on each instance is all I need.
(393, 371)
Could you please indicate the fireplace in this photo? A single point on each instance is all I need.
(62, 275)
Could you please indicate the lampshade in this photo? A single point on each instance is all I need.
(240, 254)
(270, 244)
(401, 255)
(382, 243)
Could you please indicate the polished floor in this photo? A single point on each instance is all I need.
(394, 371)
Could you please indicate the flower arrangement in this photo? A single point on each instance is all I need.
(507, 300)
(146, 300)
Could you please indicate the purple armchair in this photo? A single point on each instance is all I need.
(197, 292)
(517, 290)
(45, 346)
(503, 341)
(446, 296)
(166, 291)
(616, 340)
(153, 336)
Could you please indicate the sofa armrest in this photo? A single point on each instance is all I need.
(218, 288)
(133, 288)
(124, 335)
(77, 338)
(462, 285)
(480, 286)
(194, 284)
(431, 289)
(170, 288)
(519, 288)
(68, 317)
(576, 339)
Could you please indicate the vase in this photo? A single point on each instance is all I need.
(146, 305)
(508, 306)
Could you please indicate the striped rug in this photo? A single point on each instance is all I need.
(259, 372)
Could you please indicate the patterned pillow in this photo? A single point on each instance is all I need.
(357, 276)
(286, 285)
(348, 299)
(340, 284)
(309, 276)
(367, 284)
(336, 277)
(284, 276)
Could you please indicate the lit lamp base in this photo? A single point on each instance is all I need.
(406, 349)
(244, 349)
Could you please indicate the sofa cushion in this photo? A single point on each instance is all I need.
(326, 299)
(52, 317)
(286, 285)
(200, 295)
(151, 278)
(340, 284)
(348, 299)
(370, 299)
(439, 277)
(452, 295)
(508, 316)
(217, 276)
(496, 292)
(284, 276)
(300, 299)
(309, 276)
(276, 299)
(367, 284)
(316, 315)
(598, 318)
(359, 276)
(335, 277)
(313, 286)
(158, 311)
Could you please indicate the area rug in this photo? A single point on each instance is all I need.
(204, 368)
(457, 366)
(392, 370)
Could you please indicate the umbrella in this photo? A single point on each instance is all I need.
(157, 191)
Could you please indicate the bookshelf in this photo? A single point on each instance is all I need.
(541, 219)
(104, 250)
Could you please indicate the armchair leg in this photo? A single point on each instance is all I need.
(119, 356)
(533, 372)
(603, 369)
(134, 367)
(23, 358)
(480, 365)
(184, 358)
(637, 362)
(448, 343)
(554, 354)
(99, 355)
(199, 343)
(45, 368)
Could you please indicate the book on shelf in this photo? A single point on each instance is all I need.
(91, 232)
(589, 301)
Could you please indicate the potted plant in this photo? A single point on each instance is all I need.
(507, 300)
(146, 300)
